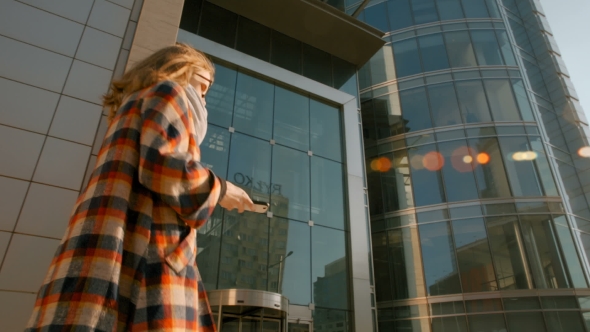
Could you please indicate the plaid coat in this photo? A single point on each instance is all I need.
(127, 260)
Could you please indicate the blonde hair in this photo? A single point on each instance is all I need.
(177, 63)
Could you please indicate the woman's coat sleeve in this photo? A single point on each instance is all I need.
(169, 157)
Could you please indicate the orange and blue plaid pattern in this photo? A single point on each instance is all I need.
(128, 259)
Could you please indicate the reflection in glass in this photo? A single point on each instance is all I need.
(407, 58)
(253, 107)
(382, 65)
(507, 252)
(522, 303)
(543, 252)
(388, 116)
(427, 183)
(244, 249)
(524, 178)
(381, 265)
(220, 98)
(542, 163)
(376, 16)
(326, 133)
(472, 98)
(489, 173)
(290, 184)
(460, 49)
(444, 107)
(424, 11)
(559, 302)
(569, 251)
(473, 255)
(404, 263)
(434, 55)
(414, 325)
(506, 47)
(317, 65)
(327, 193)
(208, 246)
(487, 323)
(440, 265)
(486, 305)
(415, 109)
(564, 321)
(522, 100)
(215, 150)
(475, 8)
(458, 171)
(285, 52)
(345, 76)
(486, 48)
(250, 325)
(449, 9)
(291, 119)
(444, 324)
(400, 14)
(447, 308)
(501, 100)
(290, 275)
(327, 319)
(374, 189)
(329, 268)
(397, 183)
(525, 321)
(249, 166)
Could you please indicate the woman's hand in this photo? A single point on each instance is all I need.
(236, 198)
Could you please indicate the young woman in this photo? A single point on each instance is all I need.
(128, 259)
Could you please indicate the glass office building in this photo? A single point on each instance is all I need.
(420, 157)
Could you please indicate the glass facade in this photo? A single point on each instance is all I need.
(466, 191)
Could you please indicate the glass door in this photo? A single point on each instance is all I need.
(300, 326)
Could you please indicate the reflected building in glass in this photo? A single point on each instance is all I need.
(478, 198)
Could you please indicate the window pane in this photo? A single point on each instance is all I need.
(522, 303)
(249, 166)
(209, 244)
(458, 171)
(507, 252)
(559, 302)
(475, 8)
(487, 323)
(322, 318)
(523, 101)
(388, 115)
(447, 308)
(444, 106)
(220, 98)
(570, 253)
(374, 188)
(502, 100)
(484, 305)
(424, 11)
(345, 76)
(489, 168)
(506, 48)
(434, 55)
(543, 252)
(291, 119)
(400, 15)
(473, 255)
(253, 39)
(425, 164)
(493, 8)
(381, 265)
(525, 321)
(329, 268)
(472, 98)
(327, 193)
(286, 52)
(444, 324)
(382, 67)
(376, 16)
(244, 247)
(414, 325)
(290, 276)
(397, 184)
(326, 134)
(460, 49)
(407, 58)
(218, 24)
(440, 265)
(543, 167)
(486, 48)
(404, 263)
(524, 179)
(253, 107)
(449, 9)
(317, 65)
(290, 184)
(215, 150)
(564, 321)
(415, 110)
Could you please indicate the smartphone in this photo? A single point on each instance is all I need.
(260, 206)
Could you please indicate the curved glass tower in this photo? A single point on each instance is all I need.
(476, 193)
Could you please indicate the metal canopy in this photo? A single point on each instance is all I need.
(314, 23)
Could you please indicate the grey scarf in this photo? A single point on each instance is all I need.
(199, 112)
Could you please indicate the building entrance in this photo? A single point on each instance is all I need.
(246, 310)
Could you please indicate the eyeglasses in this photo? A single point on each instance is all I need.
(206, 79)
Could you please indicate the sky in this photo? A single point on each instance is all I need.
(570, 24)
